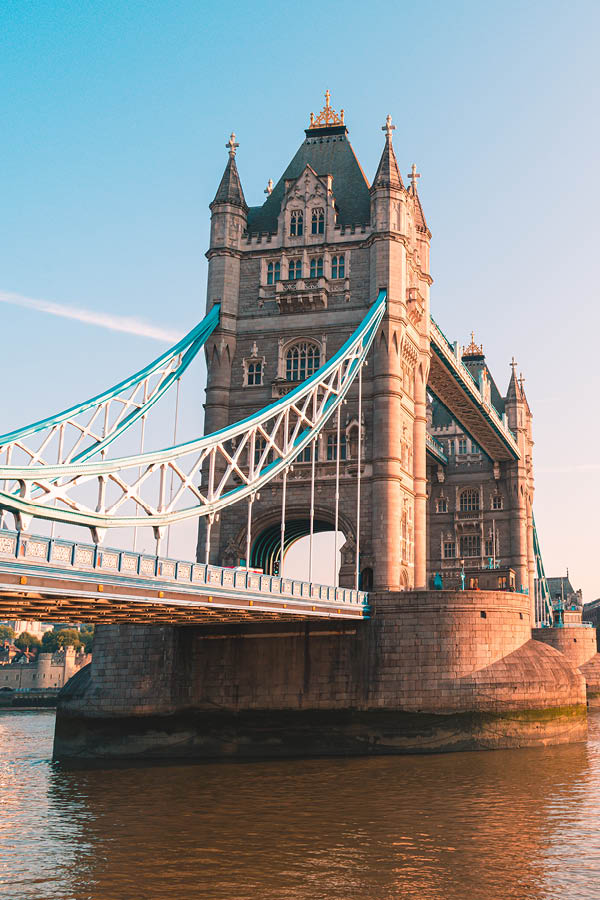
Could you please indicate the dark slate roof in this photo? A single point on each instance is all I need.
(555, 586)
(230, 188)
(388, 173)
(475, 364)
(329, 152)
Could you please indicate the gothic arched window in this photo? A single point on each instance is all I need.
(318, 221)
(316, 267)
(469, 501)
(338, 267)
(273, 273)
(295, 269)
(301, 361)
(297, 223)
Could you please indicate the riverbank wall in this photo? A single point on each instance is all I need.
(429, 671)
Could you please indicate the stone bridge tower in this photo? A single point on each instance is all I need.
(294, 278)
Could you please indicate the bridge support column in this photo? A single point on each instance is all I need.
(420, 479)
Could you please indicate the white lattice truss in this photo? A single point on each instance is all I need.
(197, 478)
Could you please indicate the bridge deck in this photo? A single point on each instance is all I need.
(56, 580)
(453, 385)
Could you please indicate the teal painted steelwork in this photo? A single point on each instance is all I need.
(542, 580)
(435, 449)
(465, 379)
(343, 366)
(188, 348)
(34, 555)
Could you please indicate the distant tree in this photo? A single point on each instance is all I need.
(87, 638)
(27, 641)
(68, 637)
(50, 642)
(6, 633)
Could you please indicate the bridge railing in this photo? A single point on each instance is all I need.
(468, 382)
(435, 447)
(72, 556)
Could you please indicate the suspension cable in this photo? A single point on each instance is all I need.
(337, 499)
(282, 547)
(249, 530)
(312, 509)
(174, 443)
(359, 449)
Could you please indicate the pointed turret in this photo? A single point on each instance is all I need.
(514, 393)
(230, 189)
(418, 209)
(388, 173)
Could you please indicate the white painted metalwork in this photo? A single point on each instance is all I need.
(210, 473)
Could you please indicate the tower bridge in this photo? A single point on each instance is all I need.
(333, 402)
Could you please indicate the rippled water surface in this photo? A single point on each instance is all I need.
(471, 826)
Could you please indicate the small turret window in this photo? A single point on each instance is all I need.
(273, 272)
(295, 269)
(297, 223)
(332, 446)
(338, 267)
(254, 374)
(316, 267)
(301, 361)
(318, 221)
(469, 501)
(497, 501)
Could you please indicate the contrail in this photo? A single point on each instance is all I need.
(127, 324)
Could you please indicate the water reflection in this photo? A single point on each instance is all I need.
(520, 824)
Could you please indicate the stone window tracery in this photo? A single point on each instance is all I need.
(318, 221)
(497, 501)
(449, 549)
(295, 269)
(273, 272)
(254, 367)
(462, 446)
(441, 505)
(316, 267)
(302, 360)
(332, 446)
(470, 545)
(338, 266)
(297, 223)
(469, 501)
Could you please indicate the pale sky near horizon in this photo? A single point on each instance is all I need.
(114, 118)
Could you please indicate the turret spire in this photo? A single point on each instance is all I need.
(388, 173)
(230, 189)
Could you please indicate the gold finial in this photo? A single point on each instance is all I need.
(513, 364)
(388, 127)
(521, 381)
(327, 116)
(231, 145)
(413, 175)
(473, 349)
(269, 187)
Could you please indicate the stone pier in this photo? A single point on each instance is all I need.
(578, 643)
(430, 671)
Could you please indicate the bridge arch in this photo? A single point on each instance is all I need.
(266, 534)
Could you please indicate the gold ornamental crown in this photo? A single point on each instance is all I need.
(473, 349)
(327, 116)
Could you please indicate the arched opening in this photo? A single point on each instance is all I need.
(266, 550)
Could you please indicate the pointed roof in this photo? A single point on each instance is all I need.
(327, 151)
(388, 173)
(230, 188)
(514, 389)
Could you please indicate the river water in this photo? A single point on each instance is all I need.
(521, 824)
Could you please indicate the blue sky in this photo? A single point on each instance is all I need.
(114, 118)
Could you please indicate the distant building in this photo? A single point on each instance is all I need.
(477, 508)
(20, 625)
(45, 671)
(591, 613)
(567, 603)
